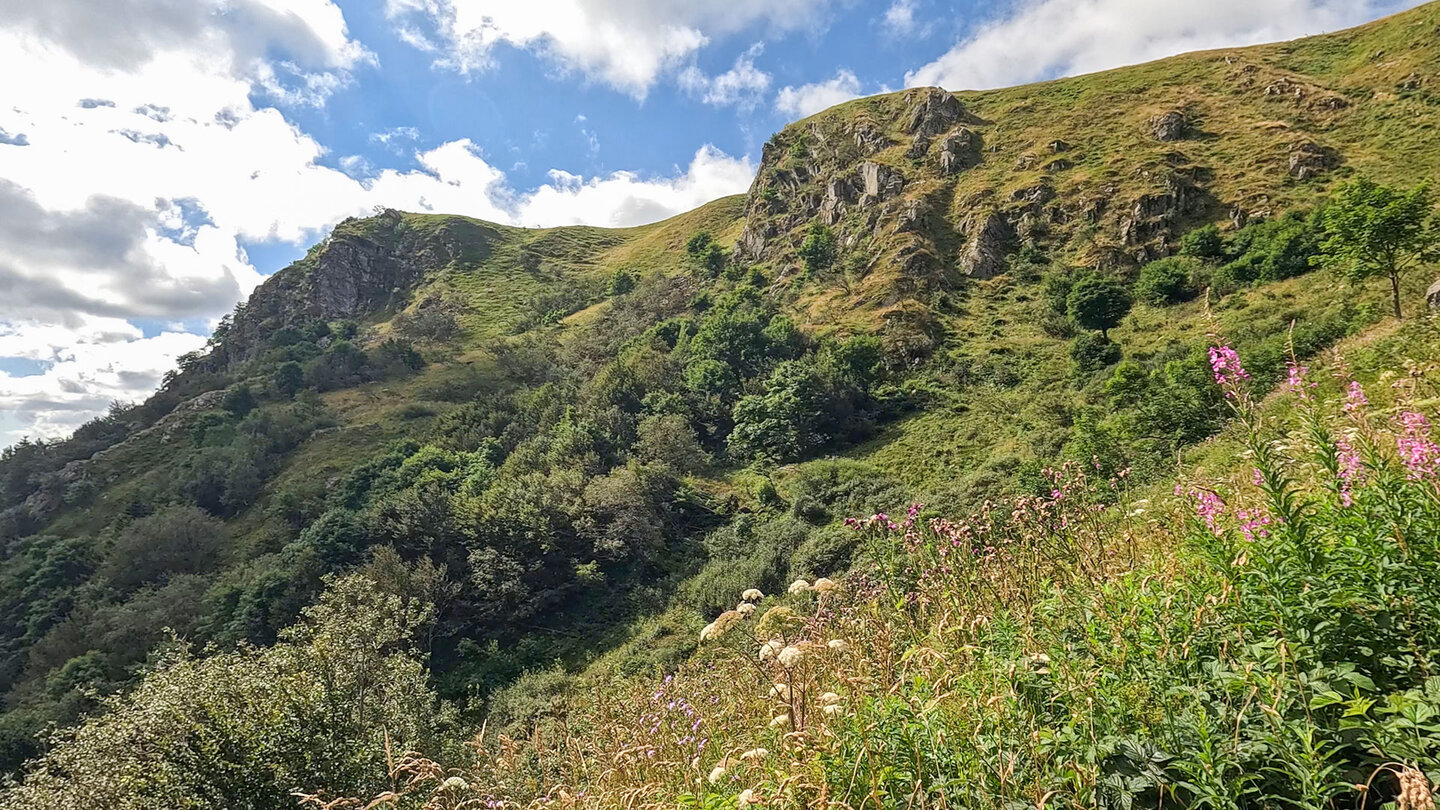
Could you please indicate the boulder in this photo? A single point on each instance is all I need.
(1170, 126)
(935, 112)
(960, 150)
(1432, 295)
(879, 182)
(988, 241)
(1310, 159)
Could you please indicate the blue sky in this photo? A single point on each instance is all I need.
(161, 158)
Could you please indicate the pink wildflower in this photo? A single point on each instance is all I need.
(1418, 453)
(1354, 398)
(1348, 460)
(1208, 507)
(1226, 365)
(1253, 526)
(1295, 380)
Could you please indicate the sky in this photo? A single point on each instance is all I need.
(160, 158)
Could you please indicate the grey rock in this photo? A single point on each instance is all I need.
(869, 138)
(935, 112)
(1170, 126)
(918, 146)
(1310, 159)
(879, 182)
(960, 150)
(989, 236)
(1432, 295)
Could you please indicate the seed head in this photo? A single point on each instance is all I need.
(799, 586)
(790, 656)
(825, 585)
(752, 595)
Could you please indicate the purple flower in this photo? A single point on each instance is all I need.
(1354, 397)
(1418, 453)
(1225, 363)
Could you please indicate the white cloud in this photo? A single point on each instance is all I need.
(143, 167)
(88, 365)
(1041, 39)
(623, 199)
(809, 99)
(627, 44)
(899, 19)
(742, 85)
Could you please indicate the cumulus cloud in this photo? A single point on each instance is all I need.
(899, 19)
(1041, 39)
(809, 99)
(742, 85)
(627, 44)
(144, 166)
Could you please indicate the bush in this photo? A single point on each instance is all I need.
(1167, 281)
(1205, 244)
(1091, 352)
(819, 249)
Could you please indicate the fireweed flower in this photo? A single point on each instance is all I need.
(1295, 380)
(1349, 463)
(1208, 507)
(1225, 364)
(1418, 453)
(1355, 399)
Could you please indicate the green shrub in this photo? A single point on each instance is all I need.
(1167, 281)
(1091, 352)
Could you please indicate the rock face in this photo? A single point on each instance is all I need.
(1432, 295)
(1170, 126)
(960, 150)
(935, 112)
(988, 239)
(365, 265)
(1310, 159)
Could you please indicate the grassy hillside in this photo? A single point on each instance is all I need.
(554, 454)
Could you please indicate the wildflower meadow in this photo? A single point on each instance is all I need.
(1266, 634)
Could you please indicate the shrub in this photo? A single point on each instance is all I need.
(1167, 281)
(819, 249)
(1204, 243)
(1091, 352)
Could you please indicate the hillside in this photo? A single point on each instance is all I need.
(557, 453)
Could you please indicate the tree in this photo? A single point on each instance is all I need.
(1373, 230)
(622, 282)
(818, 251)
(288, 379)
(239, 400)
(1098, 303)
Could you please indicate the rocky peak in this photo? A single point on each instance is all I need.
(934, 111)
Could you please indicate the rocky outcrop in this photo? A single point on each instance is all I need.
(1170, 126)
(1310, 159)
(879, 182)
(988, 237)
(960, 150)
(1432, 295)
(1152, 219)
(365, 266)
(934, 112)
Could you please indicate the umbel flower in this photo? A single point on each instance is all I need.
(791, 655)
(752, 595)
(799, 586)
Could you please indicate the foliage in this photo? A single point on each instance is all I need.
(1091, 352)
(1098, 303)
(316, 712)
(1166, 281)
(1373, 230)
(819, 249)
